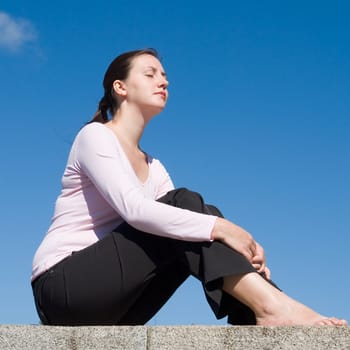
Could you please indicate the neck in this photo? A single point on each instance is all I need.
(129, 126)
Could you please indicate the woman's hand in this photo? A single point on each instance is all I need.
(235, 237)
(259, 261)
(241, 241)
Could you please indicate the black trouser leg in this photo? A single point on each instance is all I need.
(127, 276)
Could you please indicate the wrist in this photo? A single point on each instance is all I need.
(217, 234)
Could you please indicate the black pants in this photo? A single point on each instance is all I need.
(126, 277)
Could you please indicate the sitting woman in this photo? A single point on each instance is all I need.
(122, 239)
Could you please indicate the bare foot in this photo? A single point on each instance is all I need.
(287, 312)
(271, 306)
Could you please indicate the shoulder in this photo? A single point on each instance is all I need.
(93, 129)
(97, 138)
(97, 134)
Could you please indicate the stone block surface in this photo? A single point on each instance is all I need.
(249, 338)
(72, 338)
(32, 337)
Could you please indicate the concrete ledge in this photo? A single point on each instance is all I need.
(13, 337)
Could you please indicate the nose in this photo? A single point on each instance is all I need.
(163, 83)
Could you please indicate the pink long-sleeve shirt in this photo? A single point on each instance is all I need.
(100, 190)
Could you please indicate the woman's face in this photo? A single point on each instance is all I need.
(146, 84)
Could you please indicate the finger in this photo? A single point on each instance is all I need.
(257, 267)
(262, 267)
(257, 259)
(254, 247)
(247, 254)
(252, 250)
(267, 273)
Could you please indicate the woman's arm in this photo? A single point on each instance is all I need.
(99, 157)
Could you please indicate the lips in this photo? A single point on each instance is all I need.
(161, 93)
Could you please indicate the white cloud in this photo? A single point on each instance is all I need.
(15, 32)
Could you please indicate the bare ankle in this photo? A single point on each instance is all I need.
(252, 290)
(272, 306)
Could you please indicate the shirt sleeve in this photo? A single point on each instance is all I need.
(98, 155)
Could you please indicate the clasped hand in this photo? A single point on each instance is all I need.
(241, 241)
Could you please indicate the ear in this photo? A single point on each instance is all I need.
(119, 88)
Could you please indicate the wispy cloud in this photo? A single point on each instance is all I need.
(15, 33)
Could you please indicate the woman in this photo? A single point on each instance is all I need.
(122, 239)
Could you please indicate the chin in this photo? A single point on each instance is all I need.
(152, 112)
(156, 109)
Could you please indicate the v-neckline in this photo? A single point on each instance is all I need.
(142, 183)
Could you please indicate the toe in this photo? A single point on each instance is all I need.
(337, 322)
(324, 322)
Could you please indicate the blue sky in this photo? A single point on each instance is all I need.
(258, 121)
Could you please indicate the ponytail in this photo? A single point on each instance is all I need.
(101, 115)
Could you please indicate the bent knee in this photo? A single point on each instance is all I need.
(186, 199)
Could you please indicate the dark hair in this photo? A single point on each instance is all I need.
(117, 70)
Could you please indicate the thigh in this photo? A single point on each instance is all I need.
(83, 288)
(156, 294)
(98, 284)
